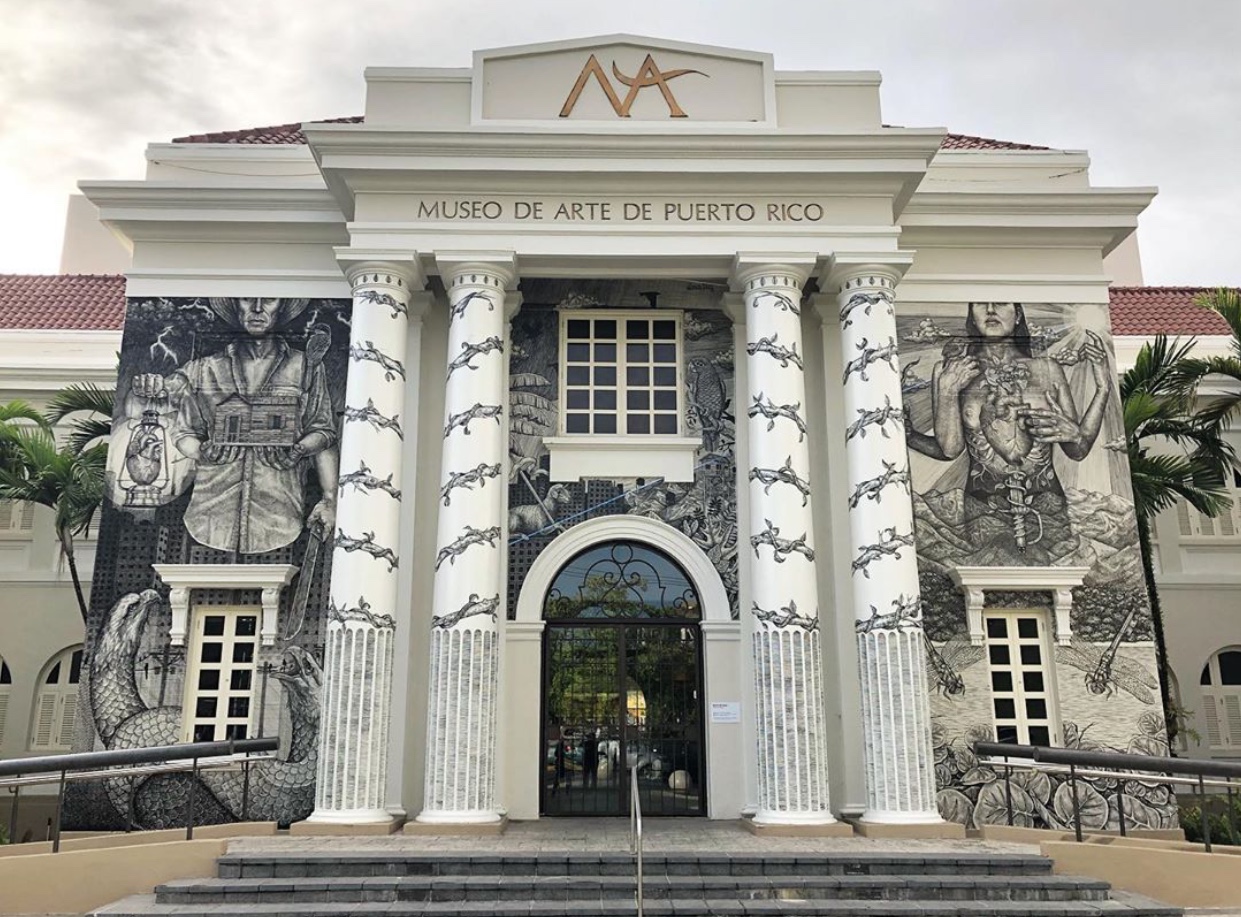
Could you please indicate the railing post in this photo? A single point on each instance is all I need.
(1008, 792)
(129, 803)
(17, 792)
(1232, 813)
(245, 789)
(60, 802)
(189, 807)
(1206, 818)
(1120, 805)
(1077, 806)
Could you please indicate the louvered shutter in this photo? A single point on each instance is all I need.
(4, 710)
(45, 719)
(1210, 713)
(1183, 520)
(1231, 715)
(68, 719)
(27, 517)
(1225, 523)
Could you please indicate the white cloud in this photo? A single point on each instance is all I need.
(1150, 88)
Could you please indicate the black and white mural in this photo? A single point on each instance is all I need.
(705, 510)
(227, 425)
(1015, 436)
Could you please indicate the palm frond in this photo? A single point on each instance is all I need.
(18, 411)
(90, 410)
(1227, 303)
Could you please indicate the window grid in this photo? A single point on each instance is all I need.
(220, 686)
(1021, 695)
(622, 373)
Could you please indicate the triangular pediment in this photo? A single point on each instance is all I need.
(623, 79)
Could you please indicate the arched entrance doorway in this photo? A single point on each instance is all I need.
(622, 685)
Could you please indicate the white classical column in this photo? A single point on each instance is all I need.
(788, 682)
(896, 723)
(361, 617)
(469, 563)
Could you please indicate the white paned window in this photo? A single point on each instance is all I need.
(6, 686)
(56, 705)
(1221, 700)
(1021, 696)
(621, 373)
(219, 686)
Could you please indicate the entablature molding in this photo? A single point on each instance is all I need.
(314, 284)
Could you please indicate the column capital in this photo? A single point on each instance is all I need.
(733, 305)
(795, 266)
(498, 269)
(843, 269)
(397, 268)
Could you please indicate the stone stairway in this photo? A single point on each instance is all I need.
(586, 884)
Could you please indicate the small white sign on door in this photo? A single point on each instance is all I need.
(726, 711)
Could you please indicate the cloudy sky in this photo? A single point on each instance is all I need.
(1151, 88)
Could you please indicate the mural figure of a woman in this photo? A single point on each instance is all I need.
(1008, 409)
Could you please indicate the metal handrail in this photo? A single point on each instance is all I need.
(1120, 766)
(130, 762)
(635, 833)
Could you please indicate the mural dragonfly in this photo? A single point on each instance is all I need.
(1106, 670)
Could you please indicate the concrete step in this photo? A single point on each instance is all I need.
(298, 865)
(147, 906)
(610, 888)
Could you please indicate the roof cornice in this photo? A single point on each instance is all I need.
(635, 142)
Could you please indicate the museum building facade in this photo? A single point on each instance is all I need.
(617, 405)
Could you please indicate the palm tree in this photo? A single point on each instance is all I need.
(67, 477)
(1222, 406)
(36, 469)
(1158, 395)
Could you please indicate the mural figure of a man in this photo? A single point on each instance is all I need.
(253, 418)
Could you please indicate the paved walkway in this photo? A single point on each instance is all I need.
(611, 835)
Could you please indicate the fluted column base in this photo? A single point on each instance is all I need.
(354, 756)
(792, 754)
(896, 720)
(460, 779)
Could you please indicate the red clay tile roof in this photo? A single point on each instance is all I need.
(1162, 310)
(96, 302)
(968, 142)
(292, 134)
(83, 302)
(276, 134)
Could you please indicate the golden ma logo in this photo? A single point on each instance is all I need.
(648, 75)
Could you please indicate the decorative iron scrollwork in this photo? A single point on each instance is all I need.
(622, 580)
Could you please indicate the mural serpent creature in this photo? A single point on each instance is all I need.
(280, 790)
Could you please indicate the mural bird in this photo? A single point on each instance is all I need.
(281, 790)
(318, 342)
(708, 402)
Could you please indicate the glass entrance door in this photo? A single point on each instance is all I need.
(622, 686)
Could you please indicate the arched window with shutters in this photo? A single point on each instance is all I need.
(1221, 700)
(56, 706)
(6, 686)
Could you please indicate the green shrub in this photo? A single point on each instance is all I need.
(1222, 832)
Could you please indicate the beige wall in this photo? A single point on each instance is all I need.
(90, 247)
(37, 621)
